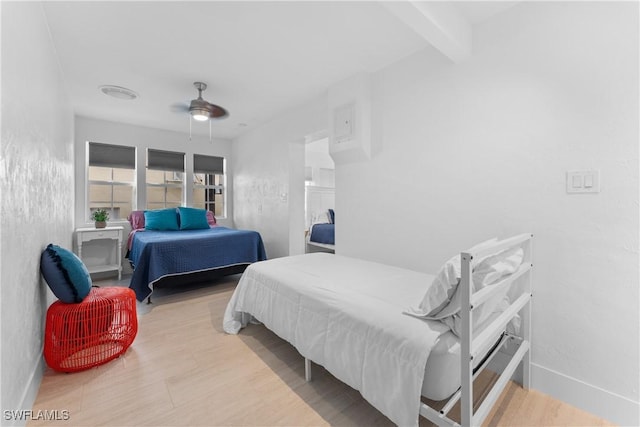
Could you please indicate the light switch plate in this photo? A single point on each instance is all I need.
(583, 181)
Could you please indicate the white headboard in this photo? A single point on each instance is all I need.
(319, 199)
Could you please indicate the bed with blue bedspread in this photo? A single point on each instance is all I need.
(323, 233)
(158, 254)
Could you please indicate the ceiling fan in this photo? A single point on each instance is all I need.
(201, 110)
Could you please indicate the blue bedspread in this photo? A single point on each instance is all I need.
(155, 254)
(323, 233)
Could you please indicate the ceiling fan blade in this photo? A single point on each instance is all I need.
(179, 107)
(217, 111)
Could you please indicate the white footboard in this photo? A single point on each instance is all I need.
(471, 345)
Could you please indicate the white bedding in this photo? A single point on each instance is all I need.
(346, 315)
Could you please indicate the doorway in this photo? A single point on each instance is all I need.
(319, 196)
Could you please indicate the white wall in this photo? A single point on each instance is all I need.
(36, 182)
(480, 149)
(269, 178)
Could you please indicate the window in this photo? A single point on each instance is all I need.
(111, 179)
(165, 179)
(208, 183)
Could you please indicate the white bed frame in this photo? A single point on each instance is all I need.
(328, 247)
(471, 345)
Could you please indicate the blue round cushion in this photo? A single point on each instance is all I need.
(65, 274)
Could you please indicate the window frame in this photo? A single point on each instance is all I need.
(178, 181)
(207, 185)
(109, 205)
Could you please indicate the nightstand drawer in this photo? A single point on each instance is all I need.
(99, 234)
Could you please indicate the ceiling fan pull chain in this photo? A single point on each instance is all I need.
(190, 128)
(210, 140)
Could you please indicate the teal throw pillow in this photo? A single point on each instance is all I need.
(65, 274)
(161, 219)
(193, 219)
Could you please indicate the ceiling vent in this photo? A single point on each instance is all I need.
(119, 92)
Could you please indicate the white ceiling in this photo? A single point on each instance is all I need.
(258, 58)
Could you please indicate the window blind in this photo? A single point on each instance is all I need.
(165, 160)
(112, 156)
(208, 164)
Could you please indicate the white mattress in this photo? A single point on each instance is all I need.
(442, 373)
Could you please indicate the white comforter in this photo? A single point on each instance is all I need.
(346, 315)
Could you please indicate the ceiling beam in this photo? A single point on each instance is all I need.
(439, 23)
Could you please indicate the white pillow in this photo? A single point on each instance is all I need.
(488, 271)
(492, 268)
(513, 327)
(444, 285)
(442, 299)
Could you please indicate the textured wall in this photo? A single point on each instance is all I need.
(269, 178)
(36, 176)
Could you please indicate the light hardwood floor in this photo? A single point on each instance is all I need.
(183, 370)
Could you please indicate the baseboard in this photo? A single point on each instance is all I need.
(602, 403)
(30, 393)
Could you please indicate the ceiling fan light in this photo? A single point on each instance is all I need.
(200, 115)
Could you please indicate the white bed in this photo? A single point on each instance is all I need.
(324, 239)
(350, 316)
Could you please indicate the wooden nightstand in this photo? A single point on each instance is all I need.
(114, 233)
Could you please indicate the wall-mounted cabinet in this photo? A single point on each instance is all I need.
(350, 119)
